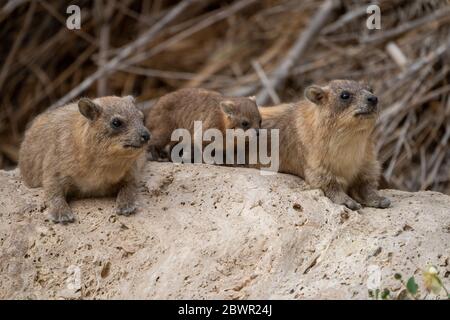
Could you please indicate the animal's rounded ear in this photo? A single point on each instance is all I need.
(252, 98)
(315, 94)
(130, 99)
(228, 107)
(89, 109)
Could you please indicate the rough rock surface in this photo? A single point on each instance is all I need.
(216, 232)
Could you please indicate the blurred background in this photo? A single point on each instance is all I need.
(269, 48)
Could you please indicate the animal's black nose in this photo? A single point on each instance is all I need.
(372, 100)
(145, 136)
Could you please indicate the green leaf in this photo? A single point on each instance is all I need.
(412, 286)
(385, 294)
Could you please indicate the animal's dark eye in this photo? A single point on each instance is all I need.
(245, 124)
(345, 95)
(116, 123)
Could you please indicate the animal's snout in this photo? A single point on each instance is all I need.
(145, 136)
(372, 100)
(368, 107)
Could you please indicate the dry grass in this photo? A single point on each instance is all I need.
(148, 48)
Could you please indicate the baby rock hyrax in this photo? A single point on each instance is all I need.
(179, 110)
(328, 140)
(85, 149)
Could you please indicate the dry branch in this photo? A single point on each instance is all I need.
(305, 40)
(124, 53)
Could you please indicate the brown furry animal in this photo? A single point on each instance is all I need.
(328, 140)
(179, 110)
(85, 149)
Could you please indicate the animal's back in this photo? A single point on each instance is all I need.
(181, 108)
(41, 139)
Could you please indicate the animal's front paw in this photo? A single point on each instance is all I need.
(343, 199)
(157, 154)
(378, 202)
(126, 209)
(63, 216)
(352, 204)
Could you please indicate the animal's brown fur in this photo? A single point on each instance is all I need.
(76, 151)
(325, 141)
(179, 110)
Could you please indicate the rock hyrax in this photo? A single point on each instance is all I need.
(179, 110)
(85, 149)
(328, 140)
